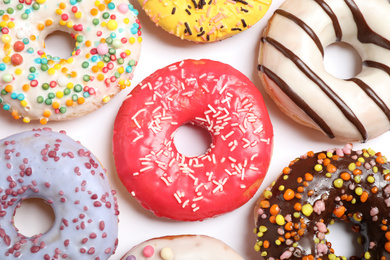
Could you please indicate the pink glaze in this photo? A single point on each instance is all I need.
(209, 94)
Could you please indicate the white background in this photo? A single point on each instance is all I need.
(159, 50)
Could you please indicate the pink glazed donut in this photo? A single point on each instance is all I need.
(52, 166)
(208, 94)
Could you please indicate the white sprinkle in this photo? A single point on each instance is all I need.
(232, 159)
(137, 138)
(258, 130)
(165, 181)
(254, 156)
(173, 67)
(223, 89)
(253, 168)
(198, 198)
(185, 203)
(195, 209)
(177, 198)
(149, 103)
(203, 75)
(138, 112)
(146, 169)
(198, 187)
(211, 108)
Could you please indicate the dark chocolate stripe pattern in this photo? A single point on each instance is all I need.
(371, 94)
(298, 101)
(304, 27)
(347, 112)
(365, 33)
(333, 17)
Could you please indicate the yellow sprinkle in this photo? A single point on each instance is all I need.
(51, 71)
(280, 220)
(121, 70)
(18, 71)
(307, 209)
(59, 11)
(352, 166)
(132, 40)
(370, 179)
(3, 24)
(57, 66)
(139, 39)
(11, 25)
(78, 14)
(59, 94)
(62, 22)
(97, 3)
(112, 25)
(318, 167)
(126, 20)
(41, 1)
(106, 99)
(359, 191)
(70, 60)
(128, 52)
(5, 38)
(26, 120)
(69, 24)
(7, 59)
(23, 103)
(367, 255)
(100, 64)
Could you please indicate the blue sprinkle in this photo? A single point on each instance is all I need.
(134, 30)
(38, 60)
(27, 11)
(136, 25)
(43, 61)
(14, 95)
(2, 66)
(111, 6)
(73, 2)
(94, 58)
(113, 35)
(20, 97)
(129, 69)
(86, 94)
(31, 76)
(6, 107)
(30, 50)
(26, 41)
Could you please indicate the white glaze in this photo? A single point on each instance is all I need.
(295, 39)
(184, 247)
(66, 72)
(68, 177)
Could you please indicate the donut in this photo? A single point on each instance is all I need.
(39, 86)
(208, 94)
(51, 166)
(205, 21)
(292, 71)
(316, 189)
(196, 247)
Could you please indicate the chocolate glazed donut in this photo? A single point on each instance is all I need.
(293, 214)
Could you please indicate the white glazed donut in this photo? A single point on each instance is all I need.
(291, 65)
(184, 247)
(52, 166)
(37, 86)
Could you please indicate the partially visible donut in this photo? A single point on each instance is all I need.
(292, 70)
(36, 85)
(293, 214)
(205, 20)
(191, 247)
(208, 94)
(51, 166)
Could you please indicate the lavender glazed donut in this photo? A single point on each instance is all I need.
(52, 166)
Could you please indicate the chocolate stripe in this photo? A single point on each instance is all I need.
(304, 27)
(333, 17)
(365, 34)
(298, 101)
(347, 112)
(377, 65)
(371, 94)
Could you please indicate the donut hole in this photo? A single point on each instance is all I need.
(33, 216)
(344, 240)
(192, 140)
(59, 44)
(342, 60)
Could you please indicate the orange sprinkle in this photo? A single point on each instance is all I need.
(55, 105)
(310, 153)
(300, 189)
(335, 157)
(48, 22)
(64, 70)
(264, 204)
(8, 88)
(387, 246)
(281, 239)
(358, 164)
(350, 197)
(331, 168)
(94, 11)
(357, 172)
(274, 210)
(286, 170)
(26, 87)
(364, 196)
(289, 194)
(299, 179)
(88, 43)
(345, 176)
(272, 219)
(301, 232)
(43, 121)
(40, 26)
(46, 113)
(380, 159)
(81, 100)
(73, 74)
(102, 7)
(384, 228)
(298, 196)
(287, 235)
(321, 156)
(374, 190)
(95, 69)
(288, 226)
(387, 235)
(308, 177)
(339, 211)
(266, 244)
(310, 193)
(100, 77)
(33, 37)
(69, 102)
(5, 17)
(62, 5)
(297, 206)
(309, 257)
(326, 162)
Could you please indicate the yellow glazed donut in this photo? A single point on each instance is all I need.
(205, 20)
(292, 70)
(37, 86)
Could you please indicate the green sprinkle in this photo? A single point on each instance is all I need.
(62, 110)
(95, 21)
(48, 101)
(45, 86)
(40, 99)
(85, 64)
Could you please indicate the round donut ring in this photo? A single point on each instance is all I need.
(52, 166)
(208, 94)
(292, 70)
(35, 85)
(205, 20)
(293, 214)
(194, 247)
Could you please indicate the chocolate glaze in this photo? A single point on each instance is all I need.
(347, 112)
(368, 214)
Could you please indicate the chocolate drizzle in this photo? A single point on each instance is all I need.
(298, 101)
(347, 112)
(333, 17)
(304, 27)
(365, 34)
